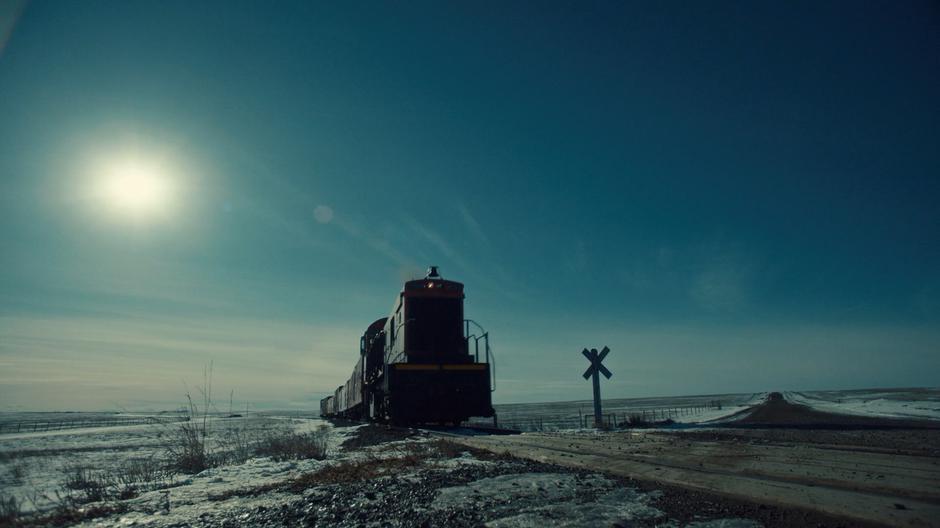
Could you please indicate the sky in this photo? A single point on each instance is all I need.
(731, 196)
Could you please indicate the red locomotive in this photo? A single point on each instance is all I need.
(424, 363)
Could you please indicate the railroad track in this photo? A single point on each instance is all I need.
(852, 480)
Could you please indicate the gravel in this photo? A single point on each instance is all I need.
(447, 486)
(388, 501)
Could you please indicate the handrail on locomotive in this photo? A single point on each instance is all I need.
(485, 337)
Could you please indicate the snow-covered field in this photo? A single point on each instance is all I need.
(36, 468)
(577, 414)
(705, 410)
(450, 488)
(892, 403)
(45, 467)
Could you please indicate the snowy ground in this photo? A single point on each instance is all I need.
(893, 403)
(555, 416)
(460, 490)
(493, 493)
(36, 466)
(415, 483)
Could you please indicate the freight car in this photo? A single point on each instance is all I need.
(424, 363)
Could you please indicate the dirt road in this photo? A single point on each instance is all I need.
(779, 411)
(891, 477)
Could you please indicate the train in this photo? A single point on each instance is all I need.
(423, 364)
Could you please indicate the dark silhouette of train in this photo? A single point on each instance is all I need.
(424, 363)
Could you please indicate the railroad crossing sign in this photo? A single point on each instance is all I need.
(592, 372)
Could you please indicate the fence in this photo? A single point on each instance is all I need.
(617, 418)
(32, 426)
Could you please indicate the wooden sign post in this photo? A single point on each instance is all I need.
(592, 372)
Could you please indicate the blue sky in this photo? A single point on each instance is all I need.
(732, 196)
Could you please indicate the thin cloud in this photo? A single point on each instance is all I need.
(10, 13)
(472, 225)
(44, 358)
(438, 242)
(378, 244)
(486, 273)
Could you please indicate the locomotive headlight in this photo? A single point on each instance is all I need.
(430, 285)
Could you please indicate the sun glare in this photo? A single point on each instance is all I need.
(137, 189)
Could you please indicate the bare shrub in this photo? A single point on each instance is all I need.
(84, 484)
(9, 510)
(188, 450)
(637, 420)
(138, 473)
(66, 515)
(19, 471)
(235, 445)
(286, 445)
(193, 447)
(142, 470)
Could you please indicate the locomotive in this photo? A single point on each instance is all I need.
(424, 363)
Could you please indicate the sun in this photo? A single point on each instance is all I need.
(137, 188)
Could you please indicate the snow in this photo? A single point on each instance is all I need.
(204, 493)
(896, 403)
(559, 500)
(725, 523)
(33, 468)
(536, 500)
(37, 462)
(230, 491)
(465, 459)
(35, 465)
(569, 416)
(718, 415)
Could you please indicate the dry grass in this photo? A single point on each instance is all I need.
(235, 445)
(415, 455)
(66, 516)
(189, 450)
(285, 445)
(637, 420)
(354, 471)
(412, 456)
(84, 484)
(9, 510)
(444, 449)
